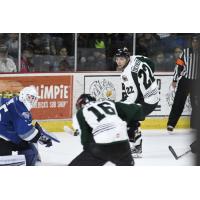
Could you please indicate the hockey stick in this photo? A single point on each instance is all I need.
(71, 131)
(48, 135)
(175, 155)
(68, 130)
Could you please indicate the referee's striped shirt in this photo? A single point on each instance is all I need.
(187, 65)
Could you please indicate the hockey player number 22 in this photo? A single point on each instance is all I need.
(147, 75)
(3, 107)
(102, 109)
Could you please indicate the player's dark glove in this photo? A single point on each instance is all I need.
(43, 140)
(76, 132)
(133, 131)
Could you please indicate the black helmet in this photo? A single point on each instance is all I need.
(84, 99)
(122, 53)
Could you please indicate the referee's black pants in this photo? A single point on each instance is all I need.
(185, 87)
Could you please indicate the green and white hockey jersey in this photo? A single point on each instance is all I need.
(138, 82)
(106, 121)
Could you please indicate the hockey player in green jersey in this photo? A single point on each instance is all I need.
(138, 86)
(103, 130)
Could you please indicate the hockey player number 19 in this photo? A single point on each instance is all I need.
(102, 109)
(3, 107)
(147, 75)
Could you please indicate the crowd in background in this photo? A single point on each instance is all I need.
(162, 48)
(54, 52)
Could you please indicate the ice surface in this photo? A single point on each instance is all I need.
(155, 149)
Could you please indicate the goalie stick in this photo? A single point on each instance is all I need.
(175, 155)
(48, 135)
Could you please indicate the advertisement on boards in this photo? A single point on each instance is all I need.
(56, 93)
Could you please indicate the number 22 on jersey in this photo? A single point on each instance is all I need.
(146, 74)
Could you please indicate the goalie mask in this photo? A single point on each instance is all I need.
(83, 100)
(29, 97)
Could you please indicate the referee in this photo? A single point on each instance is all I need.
(186, 71)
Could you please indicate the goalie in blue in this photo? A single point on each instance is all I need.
(16, 130)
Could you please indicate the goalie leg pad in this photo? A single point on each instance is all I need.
(13, 160)
(31, 155)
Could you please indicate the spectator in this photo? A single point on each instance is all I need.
(63, 60)
(36, 43)
(82, 60)
(3, 38)
(171, 57)
(180, 41)
(13, 45)
(100, 60)
(82, 40)
(64, 66)
(96, 61)
(57, 43)
(53, 49)
(169, 41)
(6, 64)
(63, 52)
(63, 40)
(26, 63)
(177, 53)
(160, 61)
(147, 44)
(141, 48)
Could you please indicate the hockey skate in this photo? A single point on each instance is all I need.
(170, 129)
(136, 150)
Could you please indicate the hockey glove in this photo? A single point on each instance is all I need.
(133, 132)
(43, 140)
(76, 132)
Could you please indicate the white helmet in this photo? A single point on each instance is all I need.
(29, 97)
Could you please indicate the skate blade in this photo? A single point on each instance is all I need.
(170, 132)
(137, 155)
